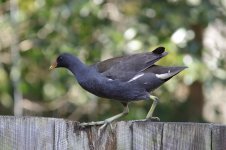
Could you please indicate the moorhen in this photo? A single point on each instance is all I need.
(126, 78)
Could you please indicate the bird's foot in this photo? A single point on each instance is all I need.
(85, 124)
(102, 123)
(154, 119)
(106, 122)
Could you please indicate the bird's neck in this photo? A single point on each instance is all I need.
(78, 68)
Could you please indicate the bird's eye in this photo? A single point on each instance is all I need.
(60, 58)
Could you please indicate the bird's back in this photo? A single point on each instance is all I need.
(124, 68)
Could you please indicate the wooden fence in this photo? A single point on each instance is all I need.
(28, 133)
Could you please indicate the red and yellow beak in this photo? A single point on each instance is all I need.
(54, 65)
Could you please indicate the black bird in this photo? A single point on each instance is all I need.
(126, 78)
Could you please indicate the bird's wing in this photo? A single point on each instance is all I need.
(126, 67)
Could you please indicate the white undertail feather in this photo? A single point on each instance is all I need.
(165, 75)
(136, 77)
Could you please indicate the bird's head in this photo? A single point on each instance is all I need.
(63, 60)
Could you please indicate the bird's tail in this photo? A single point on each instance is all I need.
(166, 73)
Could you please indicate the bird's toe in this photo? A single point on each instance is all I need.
(154, 119)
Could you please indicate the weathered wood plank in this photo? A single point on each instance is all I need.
(147, 135)
(219, 137)
(124, 135)
(28, 133)
(187, 136)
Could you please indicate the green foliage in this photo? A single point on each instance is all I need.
(96, 30)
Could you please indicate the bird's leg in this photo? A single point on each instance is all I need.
(151, 111)
(113, 118)
(109, 120)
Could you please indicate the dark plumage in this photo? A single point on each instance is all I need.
(125, 78)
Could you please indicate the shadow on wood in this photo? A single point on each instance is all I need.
(27, 133)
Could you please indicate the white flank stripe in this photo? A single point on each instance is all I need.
(164, 75)
(136, 77)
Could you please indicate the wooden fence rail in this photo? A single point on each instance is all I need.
(28, 133)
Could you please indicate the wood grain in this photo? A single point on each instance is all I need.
(37, 133)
